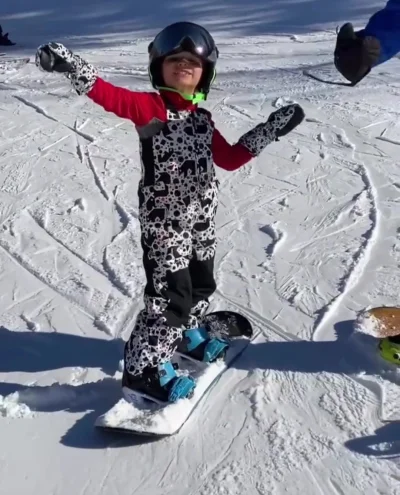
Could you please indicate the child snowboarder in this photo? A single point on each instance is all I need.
(178, 195)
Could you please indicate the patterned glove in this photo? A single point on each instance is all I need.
(55, 57)
(279, 124)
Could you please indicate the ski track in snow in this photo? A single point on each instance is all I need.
(293, 413)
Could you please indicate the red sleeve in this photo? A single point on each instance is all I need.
(227, 156)
(139, 107)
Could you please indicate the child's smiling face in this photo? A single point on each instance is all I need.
(182, 71)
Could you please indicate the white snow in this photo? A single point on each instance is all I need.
(308, 238)
(12, 407)
(367, 323)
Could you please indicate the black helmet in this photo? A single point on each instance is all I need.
(178, 37)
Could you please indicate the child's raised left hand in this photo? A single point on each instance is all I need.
(286, 119)
(279, 123)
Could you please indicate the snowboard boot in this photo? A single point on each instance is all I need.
(390, 349)
(198, 345)
(160, 384)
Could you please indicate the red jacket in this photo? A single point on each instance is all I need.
(142, 108)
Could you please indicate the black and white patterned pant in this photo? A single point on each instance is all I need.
(178, 241)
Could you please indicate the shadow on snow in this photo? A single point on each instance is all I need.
(22, 351)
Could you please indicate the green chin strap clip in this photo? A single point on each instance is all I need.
(196, 98)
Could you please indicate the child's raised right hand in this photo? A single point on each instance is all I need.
(55, 57)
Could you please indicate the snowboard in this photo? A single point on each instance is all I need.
(165, 419)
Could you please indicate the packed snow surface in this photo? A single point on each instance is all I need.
(308, 237)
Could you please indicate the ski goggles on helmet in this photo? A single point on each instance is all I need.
(184, 36)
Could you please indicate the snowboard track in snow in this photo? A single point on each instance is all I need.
(98, 318)
(360, 259)
(123, 217)
(96, 177)
(19, 260)
(108, 273)
(43, 112)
